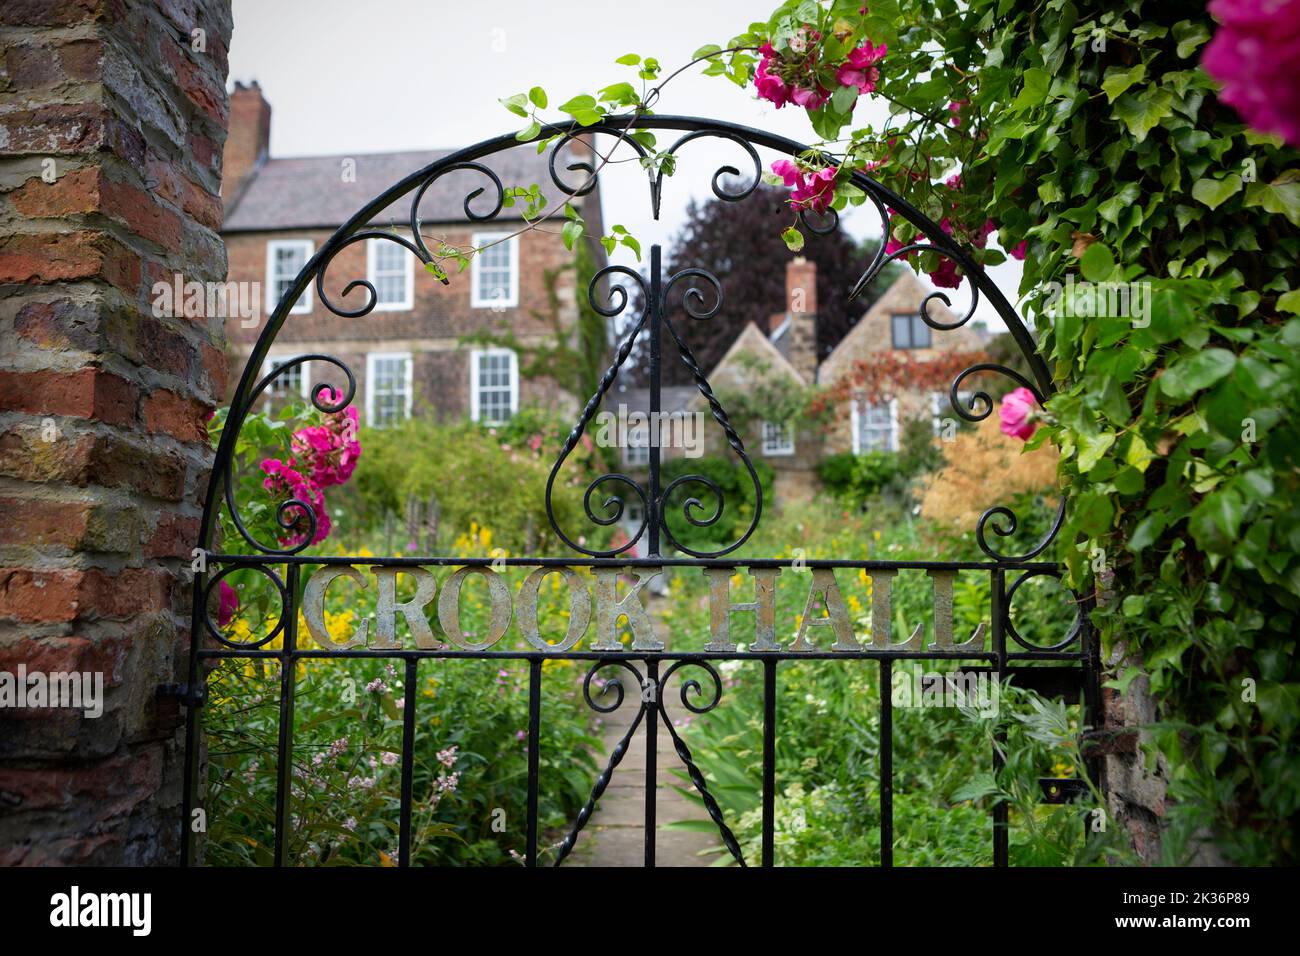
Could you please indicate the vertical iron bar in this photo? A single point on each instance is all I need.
(198, 631)
(284, 749)
(656, 321)
(534, 746)
(886, 763)
(769, 761)
(409, 693)
(1001, 812)
(651, 753)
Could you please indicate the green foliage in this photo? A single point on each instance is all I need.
(479, 474)
(1089, 131)
(737, 489)
(857, 477)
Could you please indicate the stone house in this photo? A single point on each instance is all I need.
(413, 351)
(785, 355)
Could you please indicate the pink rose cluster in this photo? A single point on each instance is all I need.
(324, 455)
(1253, 56)
(810, 189)
(794, 78)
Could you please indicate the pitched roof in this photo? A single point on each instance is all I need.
(309, 192)
(752, 340)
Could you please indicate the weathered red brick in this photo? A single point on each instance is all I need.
(175, 536)
(87, 393)
(43, 523)
(39, 596)
(57, 257)
(175, 415)
(76, 191)
(143, 212)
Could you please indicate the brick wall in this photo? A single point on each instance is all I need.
(432, 329)
(112, 116)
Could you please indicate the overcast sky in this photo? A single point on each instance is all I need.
(345, 77)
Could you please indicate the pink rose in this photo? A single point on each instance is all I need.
(858, 69)
(1019, 420)
(810, 99)
(286, 483)
(227, 604)
(1253, 56)
(816, 191)
(1018, 251)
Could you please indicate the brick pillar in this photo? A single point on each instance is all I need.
(112, 117)
(801, 302)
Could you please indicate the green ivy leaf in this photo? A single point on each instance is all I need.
(538, 97)
(1216, 521)
(1193, 373)
(1215, 192)
(1117, 81)
(1142, 112)
(517, 104)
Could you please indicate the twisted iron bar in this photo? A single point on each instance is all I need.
(684, 752)
(719, 415)
(566, 845)
(588, 412)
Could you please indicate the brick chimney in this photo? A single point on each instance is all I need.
(801, 302)
(248, 142)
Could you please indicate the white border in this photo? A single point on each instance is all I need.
(408, 302)
(371, 359)
(474, 356)
(304, 301)
(478, 240)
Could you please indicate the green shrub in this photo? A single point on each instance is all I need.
(737, 488)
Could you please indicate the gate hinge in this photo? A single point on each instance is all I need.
(182, 692)
(1062, 789)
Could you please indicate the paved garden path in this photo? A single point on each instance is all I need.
(615, 835)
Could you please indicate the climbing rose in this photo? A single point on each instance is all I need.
(227, 604)
(286, 483)
(770, 86)
(810, 190)
(1017, 414)
(858, 70)
(1253, 56)
(328, 452)
(1018, 251)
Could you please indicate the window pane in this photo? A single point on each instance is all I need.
(920, 333)
(900, 337)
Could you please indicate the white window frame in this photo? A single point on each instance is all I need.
(372, 359)
(408, 276)
(778, 439)
(480, 239)
(268, 366)
(855, 415)
(272, 299)
(641, 446)
(474, 356)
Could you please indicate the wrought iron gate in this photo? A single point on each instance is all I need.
(1001, 650)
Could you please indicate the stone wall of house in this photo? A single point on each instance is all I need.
(872, 335)
(112, 118)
